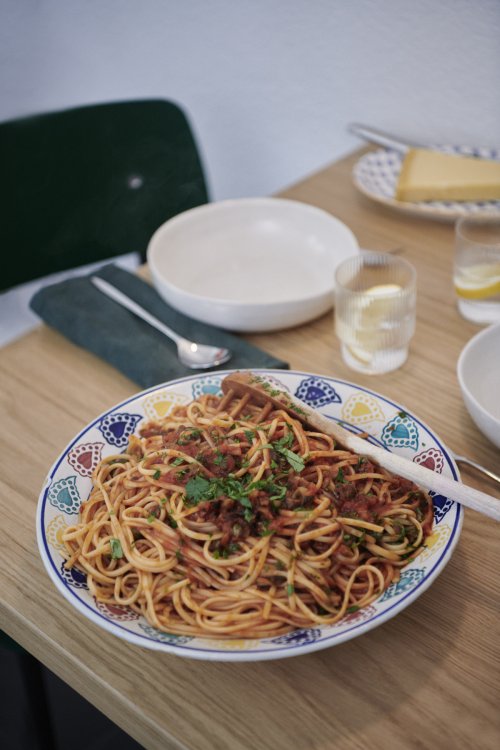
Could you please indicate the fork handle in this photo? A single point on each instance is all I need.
(117, 296)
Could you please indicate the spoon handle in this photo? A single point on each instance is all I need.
(117, 296)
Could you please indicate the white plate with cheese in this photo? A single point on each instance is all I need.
(376, 175)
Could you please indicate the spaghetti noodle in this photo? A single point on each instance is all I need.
(232, 519)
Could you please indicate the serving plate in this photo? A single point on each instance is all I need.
(376, 175)
(251, 264)
(387, 423)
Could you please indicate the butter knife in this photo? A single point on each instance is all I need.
(372, 135)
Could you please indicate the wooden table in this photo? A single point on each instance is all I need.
(429, 678)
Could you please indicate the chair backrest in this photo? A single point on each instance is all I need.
(86, 184)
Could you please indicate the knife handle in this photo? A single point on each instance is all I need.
(381, 139)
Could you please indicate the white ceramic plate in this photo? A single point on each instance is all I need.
(376, 175)
(478, 369)
(255, 264)
(392, 426)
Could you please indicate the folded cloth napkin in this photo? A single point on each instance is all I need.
(90, 319)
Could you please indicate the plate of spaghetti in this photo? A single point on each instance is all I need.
(206, 523)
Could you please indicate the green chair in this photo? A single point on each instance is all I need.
(90, 183)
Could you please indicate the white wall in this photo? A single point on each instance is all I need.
(269, 86)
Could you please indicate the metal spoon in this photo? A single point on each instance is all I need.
(193, 355)
(478, 467)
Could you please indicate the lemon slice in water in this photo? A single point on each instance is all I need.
(478, 282)
(373, 308)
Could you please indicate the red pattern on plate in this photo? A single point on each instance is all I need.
(85, 457)
(432, 459)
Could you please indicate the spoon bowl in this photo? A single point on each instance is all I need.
(201, 356)
(191, 354)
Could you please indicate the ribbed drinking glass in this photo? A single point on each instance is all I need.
(375, 311)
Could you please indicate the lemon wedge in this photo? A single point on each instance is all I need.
(478, 282)
(383, 289)
(372, 310)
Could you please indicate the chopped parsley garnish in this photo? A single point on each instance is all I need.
(352, 609)
(282, 446)
(265, 530)
(177, 461)
(339, 479)
(197, 488)
(285, 442)
(249, 434)
(188, 436)
(151, 518)
(116, 548)
(280, 565)
(295, 461)
(171, 520)
(290, 589)
(157, 474)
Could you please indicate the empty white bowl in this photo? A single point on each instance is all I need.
(478, 371)
(254, 264)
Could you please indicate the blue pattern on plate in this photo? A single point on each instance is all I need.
(210, 384)
(64, 495)
(298, 637)
(441, 506)
(74, 577)
(117, 428)
(400, 432)
(409, 579)
(159, 635)
(317, 393)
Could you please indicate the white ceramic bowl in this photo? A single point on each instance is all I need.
(478, 371)
(254, 264)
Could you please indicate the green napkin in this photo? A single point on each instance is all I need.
(90, 319)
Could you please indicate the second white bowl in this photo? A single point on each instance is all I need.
(478, 371)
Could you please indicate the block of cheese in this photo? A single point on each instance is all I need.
(431, 175)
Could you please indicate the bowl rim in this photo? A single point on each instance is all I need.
(227, 204)
(489, 330)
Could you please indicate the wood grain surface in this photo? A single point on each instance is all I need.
(429, 678)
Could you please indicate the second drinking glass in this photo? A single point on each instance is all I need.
(375, 310)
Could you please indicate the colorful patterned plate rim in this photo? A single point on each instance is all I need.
(376, 174)
(360, 409)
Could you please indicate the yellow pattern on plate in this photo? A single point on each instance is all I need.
(54, 530)
(361, 408)
(160, 404)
